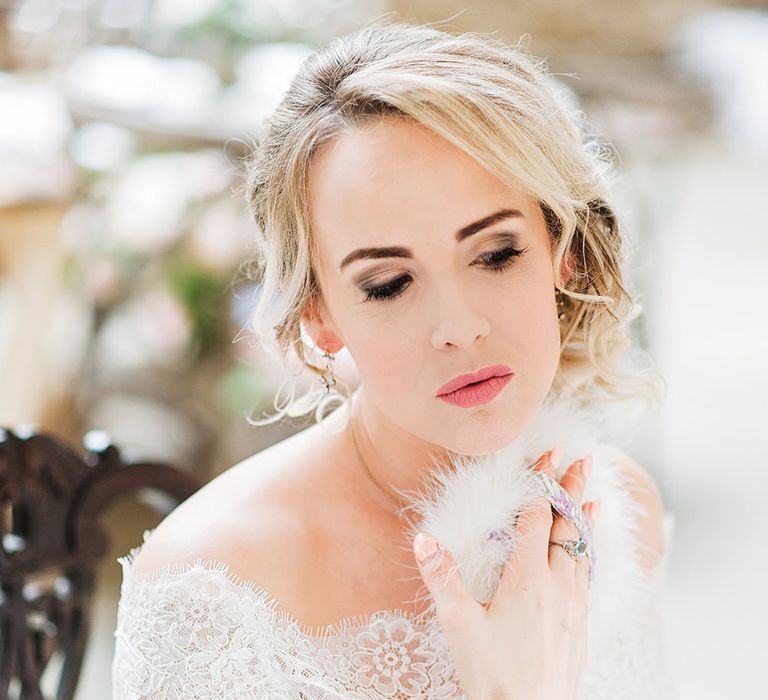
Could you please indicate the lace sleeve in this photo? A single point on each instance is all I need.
(632, 663)
(199, 635)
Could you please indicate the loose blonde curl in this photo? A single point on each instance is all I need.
(500, 106)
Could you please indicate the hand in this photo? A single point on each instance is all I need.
(530, 640)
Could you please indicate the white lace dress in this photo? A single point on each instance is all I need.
(196, 630)
(199, 631)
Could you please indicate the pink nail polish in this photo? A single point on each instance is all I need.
(424, 546)
(555, 457)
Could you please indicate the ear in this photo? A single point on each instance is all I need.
(567, 267)
(316, 327)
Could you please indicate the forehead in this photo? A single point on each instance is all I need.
(392, 180)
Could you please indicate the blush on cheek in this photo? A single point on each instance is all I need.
(388, 375)
(386, 371)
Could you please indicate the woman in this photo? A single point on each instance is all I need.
(427, 202)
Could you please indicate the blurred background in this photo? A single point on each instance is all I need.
(124, 297)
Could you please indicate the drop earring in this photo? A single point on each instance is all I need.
(331, 396)
(561, 315)
(328, 379)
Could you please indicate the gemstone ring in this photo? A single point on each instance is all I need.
(564, 504)
(576, 548)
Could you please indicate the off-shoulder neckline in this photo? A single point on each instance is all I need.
(243, 586)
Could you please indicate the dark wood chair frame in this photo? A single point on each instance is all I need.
(51, 500)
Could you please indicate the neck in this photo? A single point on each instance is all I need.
(398, 461)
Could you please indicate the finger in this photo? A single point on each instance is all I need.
(549, 462)
(442, 578)
(527, 561)
(560, 561)
(573, 482)
(575, 477)
(529, 558)
(591, 511)
(538, 517)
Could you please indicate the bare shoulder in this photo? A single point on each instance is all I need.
(250, 517)
(645, 492)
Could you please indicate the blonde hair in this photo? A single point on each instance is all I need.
(500, 106)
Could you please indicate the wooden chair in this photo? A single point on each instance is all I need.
(51, 498)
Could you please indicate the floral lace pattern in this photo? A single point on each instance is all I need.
(198, 631)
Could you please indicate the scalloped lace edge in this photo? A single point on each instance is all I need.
(353, 623)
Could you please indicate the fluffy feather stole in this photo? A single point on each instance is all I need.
(471, 510)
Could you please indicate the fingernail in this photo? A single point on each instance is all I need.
(595, 509)
(586, 465)
(555, 456)
(424, 546)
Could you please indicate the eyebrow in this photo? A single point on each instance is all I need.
(461, 234)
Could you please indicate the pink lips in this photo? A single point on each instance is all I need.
(476, 388)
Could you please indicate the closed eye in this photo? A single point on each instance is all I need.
(500, 260)
(389, 290)
(496, 261)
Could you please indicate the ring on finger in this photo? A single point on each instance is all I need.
(565, 506)
(577, 549)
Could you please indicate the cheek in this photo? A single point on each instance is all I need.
(537, 321)
(383, 360)
(546, 344)
(534, 330)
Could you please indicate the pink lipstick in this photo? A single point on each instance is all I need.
(476, 388)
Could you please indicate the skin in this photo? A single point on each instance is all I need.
(296, 510)
(396, 183)
(530, 641)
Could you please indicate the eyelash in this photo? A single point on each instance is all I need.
(394, 288)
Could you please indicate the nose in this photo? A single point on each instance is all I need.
(459, 323)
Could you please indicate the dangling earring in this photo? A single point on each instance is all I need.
(328, 379)
(561, 315)
(329, 398)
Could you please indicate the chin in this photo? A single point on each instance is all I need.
(484, 434)
(477, 442)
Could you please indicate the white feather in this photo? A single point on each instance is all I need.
(471, 507)
(467, 505)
